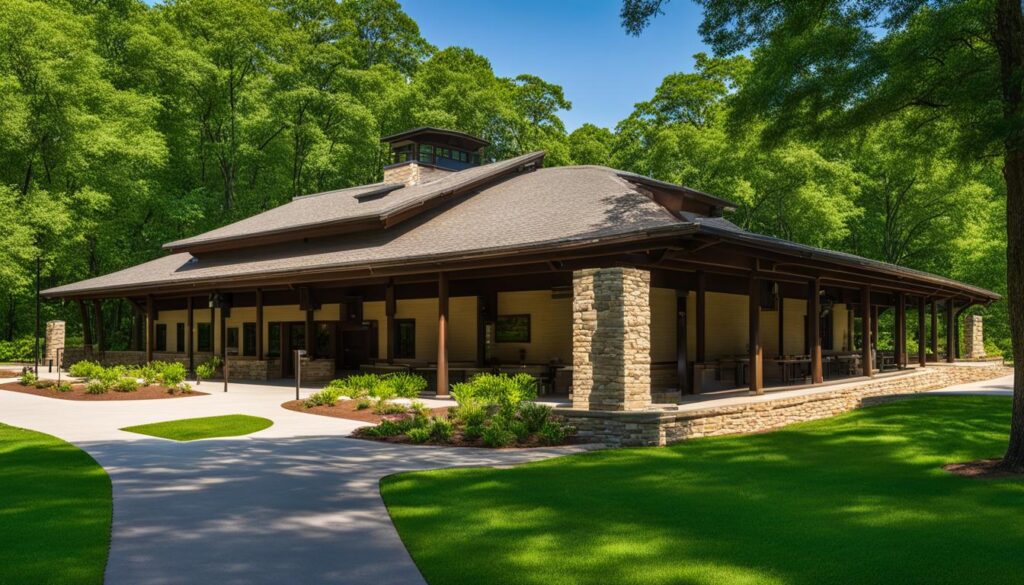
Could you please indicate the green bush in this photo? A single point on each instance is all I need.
(18, 350)
(419, 435)
(555, 433)
(28, 378)
(185, 388)
(534, 415)
(41, 384)
(205, 371)
(326, 397)
(472, 432)
(96, 387)
(108, 377)
(125, 385)
(406, 385)
(441, 429)
(419, 408)
(363, 404)
(63, 387)
(85, 369)
(498, 436)
(172, 374)
(387, 407)
(500, 390)
(149, 373)
(359, 385)
(470, 414)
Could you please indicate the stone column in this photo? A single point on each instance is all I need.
(54, 341)
(974, 339)
(611, 339)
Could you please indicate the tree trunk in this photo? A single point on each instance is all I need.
(1009, 40)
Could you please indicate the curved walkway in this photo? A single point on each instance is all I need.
(295, 503)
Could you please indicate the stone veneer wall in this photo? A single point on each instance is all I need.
(318, 370)
(413, 173)
(666, 427)
(974, 338)
(611, 339)
(54, 340)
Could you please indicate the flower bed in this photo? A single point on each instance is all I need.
(349, 409)
(153, 380)
(78, 392)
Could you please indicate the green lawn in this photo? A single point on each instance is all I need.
(54, 511)
(190, 429)
(860, 498)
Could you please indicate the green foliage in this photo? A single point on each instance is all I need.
(171, 374)
(441, 430)
(496, 390)
(498, 436)
(406, 385)
(28, 378)
(326, 397)
(363, 404)
(125, 385)
(18, 350)
(417, 407)
(384, 406)
(534, 416)
(96, 387)
(555, 433)
(85, 369)
(419, 435)
(63, 387)
(205, 370)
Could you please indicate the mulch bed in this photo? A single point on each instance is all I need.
(78, 393)
(457, 440)
(347, 409)
(982, 469)
(10, 373)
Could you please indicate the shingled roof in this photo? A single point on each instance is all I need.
(498, 210)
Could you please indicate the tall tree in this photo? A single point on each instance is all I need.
(842, 64)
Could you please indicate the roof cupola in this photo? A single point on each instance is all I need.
(424, 154)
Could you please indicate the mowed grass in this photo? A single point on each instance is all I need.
(207, 427)
(55, 507)
(860, 498)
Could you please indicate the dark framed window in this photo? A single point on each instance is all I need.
(161, 337)
(232, 342)
(512, 329)
(204, 337)
(405, 338)
(179, 338)
(426, 153)
(248, 339)
(323, 340)
(274, 340)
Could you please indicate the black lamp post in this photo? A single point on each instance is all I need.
(36, 350)
(298, 370)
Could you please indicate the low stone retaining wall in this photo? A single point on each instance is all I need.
(318, 370)
(73, 355)
(767, 413)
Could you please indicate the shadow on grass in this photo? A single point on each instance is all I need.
(860, 498)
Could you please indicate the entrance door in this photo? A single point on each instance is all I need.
(294, 338)
(354, 348)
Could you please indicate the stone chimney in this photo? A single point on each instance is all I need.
(974, 339)
(411, 173)
(54, 341)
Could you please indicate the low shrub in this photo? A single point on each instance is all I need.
(419, 408)
(18, 350)
(405, 385)
(28, 378)
(498, 436)
(85, 369)
(359, 385)
(534, 415)
(470, 414)
(125, 385)
(63, 387)
(363, 404)
(42, 384)
(441, 429)
(185, 388)
(387, 407)
(419, 435)
(96, 387)
(498, 390)
(326, 397)
(555, 433)
(172, 374)
(207, 369)
(472, 432)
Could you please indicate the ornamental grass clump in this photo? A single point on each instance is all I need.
(327, 397)
(85, 369)
(28, 378)
(126, 385)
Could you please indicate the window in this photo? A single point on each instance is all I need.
(444, 152)
(426, 153)
(161, 337)
(512, 329)
(248, 339)
(462, 156)
(179, 338)
(323, 340)
(204, 337)
(232, 343)
(274, 340)
(405, 338)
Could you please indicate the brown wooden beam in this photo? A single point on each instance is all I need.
(900, 331)
(701, 356)
(259, 324)
(866, 328)
(922, 357)
(950, 337)
(310, 337)
(190, 327)
(755, 373)
(814, 324)
(223, 335)
(782, 326)
(97, 308)
(442, 334)
(150, 328)
(213, 328)
(935, 330)
(389, 321)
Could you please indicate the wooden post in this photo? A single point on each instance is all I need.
(782, 324)
(389, 313)
(310, 338)
(950, 338)
(701, 357)
(900, 331)
(814, 324)
(442, 334)
(922, 358)
(849, 327)
(86, 326)
(866, 328)
(150, 328)
(259, 324)
(755, 373)
(223, 339)
(874, 325)
(682, 372)
(190, 326)
(213, 328)
(97, 308)
(935, 330)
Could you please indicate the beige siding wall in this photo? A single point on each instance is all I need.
(550, 327)
(461, 326)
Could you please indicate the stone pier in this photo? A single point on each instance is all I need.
(54, 341)
(974, 338)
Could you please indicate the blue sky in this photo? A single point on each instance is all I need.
(578, 44)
